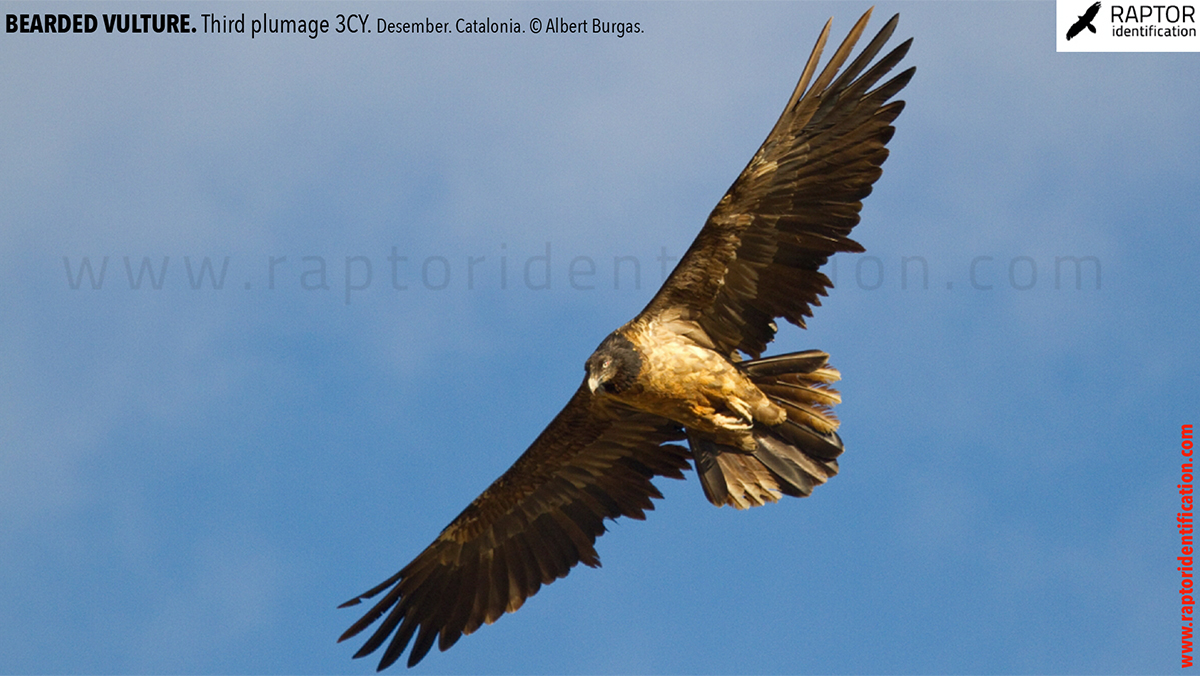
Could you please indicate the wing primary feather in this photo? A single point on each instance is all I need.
(869, 53)
(843, 52)
(810, 67)
(370, 593)
(462, 604)
(370, 617)
(421, 646)
(396, 647)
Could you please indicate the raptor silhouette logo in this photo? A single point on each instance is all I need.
(1085, 21)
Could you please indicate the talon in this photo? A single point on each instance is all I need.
(730, 422)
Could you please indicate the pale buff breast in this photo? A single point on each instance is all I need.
(694, 385)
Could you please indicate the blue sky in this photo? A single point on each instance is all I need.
(191, 480)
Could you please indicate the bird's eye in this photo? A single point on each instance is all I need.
(607, 362)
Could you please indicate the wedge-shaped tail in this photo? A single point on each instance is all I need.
(790, 458)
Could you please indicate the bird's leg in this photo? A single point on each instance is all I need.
(742, 419)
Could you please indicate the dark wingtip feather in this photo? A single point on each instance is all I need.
(421, 646)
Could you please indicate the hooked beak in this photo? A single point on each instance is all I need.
(593, 383)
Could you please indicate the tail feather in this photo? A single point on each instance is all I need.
(789, 458)
(730, 476)
(712, 477)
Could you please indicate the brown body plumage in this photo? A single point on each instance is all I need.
(691, 384)
(756, 428)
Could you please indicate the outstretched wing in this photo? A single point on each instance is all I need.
(530, 527)
(758, 255)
